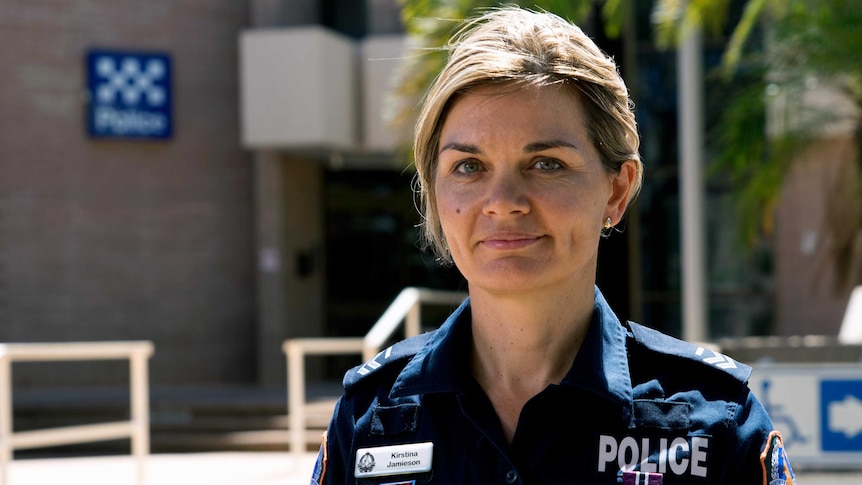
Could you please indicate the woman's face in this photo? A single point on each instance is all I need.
(521, 192)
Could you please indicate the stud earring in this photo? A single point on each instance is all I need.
(607, 228)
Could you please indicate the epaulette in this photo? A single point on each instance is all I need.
(665, 344)
(400, 352)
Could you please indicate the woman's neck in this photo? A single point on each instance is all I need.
(522, 344)
(528, 338)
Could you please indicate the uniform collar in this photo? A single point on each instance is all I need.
(443, 364)
(602, 364)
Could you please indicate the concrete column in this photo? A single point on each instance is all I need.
(692, 189)
(290, 257)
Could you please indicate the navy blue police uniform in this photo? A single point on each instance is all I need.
(637, 407)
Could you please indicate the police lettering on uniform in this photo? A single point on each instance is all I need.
(526, 153)
(679, 455)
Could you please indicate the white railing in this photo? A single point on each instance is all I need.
(405, 308)
(137, 427)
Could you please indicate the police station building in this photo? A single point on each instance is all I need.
(216, 176)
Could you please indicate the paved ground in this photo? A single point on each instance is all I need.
(229, 468)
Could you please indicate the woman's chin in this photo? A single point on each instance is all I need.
(508, 276)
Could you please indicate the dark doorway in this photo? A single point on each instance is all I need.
(373, 248)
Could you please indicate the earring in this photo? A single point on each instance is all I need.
(607, 228)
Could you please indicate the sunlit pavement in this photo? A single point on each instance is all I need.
(225, 468)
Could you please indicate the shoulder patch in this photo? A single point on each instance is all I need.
(318, 475)
(774, 462)
(665, 344)
(402, 351)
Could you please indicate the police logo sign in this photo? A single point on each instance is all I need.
(129, 94)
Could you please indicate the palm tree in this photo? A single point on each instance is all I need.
(777, 51)
(795, 67)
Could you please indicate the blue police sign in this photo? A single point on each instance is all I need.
(129, 94)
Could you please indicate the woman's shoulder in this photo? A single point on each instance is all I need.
(388, 362)
(653, 348)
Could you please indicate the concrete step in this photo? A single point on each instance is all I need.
(255, 440)
(226, 431)
(234, 418)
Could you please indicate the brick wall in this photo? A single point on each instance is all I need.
(103, 240)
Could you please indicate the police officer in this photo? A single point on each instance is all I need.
(527, 154)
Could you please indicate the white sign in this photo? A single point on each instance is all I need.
(817, 408)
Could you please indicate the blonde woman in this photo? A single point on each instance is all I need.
(527, 154)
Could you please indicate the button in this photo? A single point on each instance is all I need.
(511, 476)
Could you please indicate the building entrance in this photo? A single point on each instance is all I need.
(372, 249)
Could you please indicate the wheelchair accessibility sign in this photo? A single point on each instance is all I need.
(817, 408)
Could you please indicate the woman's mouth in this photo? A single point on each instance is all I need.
(510, 241)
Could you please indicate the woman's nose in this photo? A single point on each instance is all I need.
(506, 194)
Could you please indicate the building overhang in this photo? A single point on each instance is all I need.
(313, 92)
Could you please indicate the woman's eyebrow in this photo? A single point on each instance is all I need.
(547, 145)
(529, 148)
(461, 147)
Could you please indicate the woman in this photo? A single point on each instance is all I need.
(527, 153)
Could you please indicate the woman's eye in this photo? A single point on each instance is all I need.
(468, 166)
(547, 164)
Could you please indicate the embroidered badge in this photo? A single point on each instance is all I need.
(320, 465)
(394, 460)
(773, 460)
(641, 478)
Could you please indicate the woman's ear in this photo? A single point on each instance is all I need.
(622, 185)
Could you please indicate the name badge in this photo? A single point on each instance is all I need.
(393, 460)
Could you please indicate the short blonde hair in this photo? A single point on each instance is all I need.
(520, 47)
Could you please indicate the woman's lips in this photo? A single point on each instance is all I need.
(509, 241)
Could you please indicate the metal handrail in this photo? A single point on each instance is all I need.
(405, 308)
(137, 428)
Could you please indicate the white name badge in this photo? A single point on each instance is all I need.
(393, 460)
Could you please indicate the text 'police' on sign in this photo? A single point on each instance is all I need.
(129, 94)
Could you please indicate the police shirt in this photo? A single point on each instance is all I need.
(637, 407)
